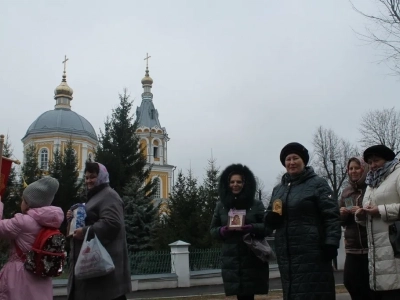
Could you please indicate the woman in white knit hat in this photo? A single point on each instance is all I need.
(16, 282)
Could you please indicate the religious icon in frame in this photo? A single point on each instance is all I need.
(348, 202)
(236, 219)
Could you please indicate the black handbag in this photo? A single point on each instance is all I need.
(260, 248)
(394, 238)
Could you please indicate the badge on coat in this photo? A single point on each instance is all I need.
(277, 206)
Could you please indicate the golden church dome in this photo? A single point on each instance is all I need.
(147, 79)
(63, 89)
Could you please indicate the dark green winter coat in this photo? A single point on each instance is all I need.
(310, 219)
(242, 272)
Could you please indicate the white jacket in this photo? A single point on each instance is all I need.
(384, 269)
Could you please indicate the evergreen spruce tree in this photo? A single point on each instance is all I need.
(12, 194)
(64, 167)
(210, 189)
(209, 198)
(184, 219)
(173, 222)
(119, 149)
(194, 232)
(30, 170)
(141, 217)
(56, 165)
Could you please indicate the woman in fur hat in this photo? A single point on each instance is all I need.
(307, 228)
(244, 274)
(356, 273)
(16, 283)
(380, 208)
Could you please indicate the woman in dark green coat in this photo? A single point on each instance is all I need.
(306, 219)
(243, 273)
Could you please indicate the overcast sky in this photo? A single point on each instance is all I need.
(242, 78)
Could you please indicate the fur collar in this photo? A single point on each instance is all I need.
(246, 197)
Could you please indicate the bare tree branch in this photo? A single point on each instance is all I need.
(331, 154)
(261, 190)
(387, 30)
(381, 127)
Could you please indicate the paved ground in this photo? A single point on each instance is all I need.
(274, 284)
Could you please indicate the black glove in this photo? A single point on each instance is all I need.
(273, 218)
(329, 252)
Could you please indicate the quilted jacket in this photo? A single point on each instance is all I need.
(384, 269)
(310, 219)
(242, 272)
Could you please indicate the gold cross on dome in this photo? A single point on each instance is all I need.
(147, 60)
(65, 62)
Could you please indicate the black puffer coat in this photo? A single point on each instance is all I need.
(310, 219)
(242, 272)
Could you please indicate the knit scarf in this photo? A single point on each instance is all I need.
(374, 178)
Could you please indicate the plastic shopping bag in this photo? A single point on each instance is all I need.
(260, 248)
(93, 260)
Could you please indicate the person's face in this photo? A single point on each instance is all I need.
(24, 206)
(90, 180)
(376, 162)
(294, 164)
(236, 184)
(355, 171)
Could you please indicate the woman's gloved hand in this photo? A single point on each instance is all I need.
(247, 228)
(329, 252)
(224, 231)
(273, 218)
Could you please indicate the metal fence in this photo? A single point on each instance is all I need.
(205, 259)
(208, 259)
(158, 262)
(150, 262)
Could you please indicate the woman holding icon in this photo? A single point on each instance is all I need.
(356, 273)
(381, 207)
(237, 213)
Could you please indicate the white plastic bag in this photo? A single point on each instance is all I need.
(93, 260)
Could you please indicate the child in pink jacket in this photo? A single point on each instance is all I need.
(16, 283)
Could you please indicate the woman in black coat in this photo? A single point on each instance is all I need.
(307, 228)
(243, 273)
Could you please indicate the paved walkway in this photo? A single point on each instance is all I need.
(274, 284)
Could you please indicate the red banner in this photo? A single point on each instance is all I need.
(5, 172)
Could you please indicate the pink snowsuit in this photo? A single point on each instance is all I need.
(15, 282)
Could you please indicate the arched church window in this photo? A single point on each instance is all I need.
(157, 194)
(155, 152)
(44, 159)
(90, 157)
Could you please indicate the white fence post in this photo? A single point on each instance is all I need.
(180, 262)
